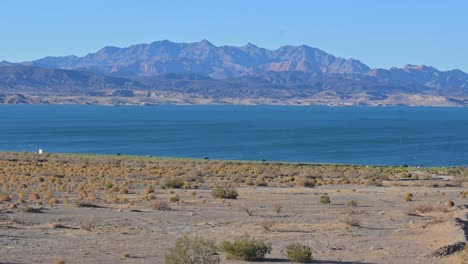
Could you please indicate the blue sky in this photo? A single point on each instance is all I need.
(379, 33)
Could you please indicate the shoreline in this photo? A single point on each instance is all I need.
(126, 157)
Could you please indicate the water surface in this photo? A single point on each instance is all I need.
(357, 135)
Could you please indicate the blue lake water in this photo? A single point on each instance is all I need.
(424, 136)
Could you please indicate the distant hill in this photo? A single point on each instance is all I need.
(190, 72)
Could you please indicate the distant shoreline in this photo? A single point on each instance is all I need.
(240, 104)
(187, 99)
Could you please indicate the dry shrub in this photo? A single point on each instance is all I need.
(350, 220)
(149, 190)
(277, 208)
(4, 198)
(267, 224)
(160, 206)
(304, 182)
(174, 198)
(449, 204)
(299, 253)
(195, 250)
(34, 196)
(225, 193)
(246, 248)
(59, 261)
(174, 183)
(53, 201)
(88, 224)
(408, 197)
(373, 182)
(325, 199)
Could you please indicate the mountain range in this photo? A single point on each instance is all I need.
(200, 72)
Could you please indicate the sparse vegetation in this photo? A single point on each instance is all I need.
(299, 253)
(195, 250)
(246, 248)
(132, 186)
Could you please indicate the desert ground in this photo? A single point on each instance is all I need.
(63, 208)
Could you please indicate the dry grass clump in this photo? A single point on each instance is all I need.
(267, 224)
(53, 201)
(59, 261)
(350, 219)
(352, 203)
(277, 208)
(408, 197)
(449, 204)
(246, 248)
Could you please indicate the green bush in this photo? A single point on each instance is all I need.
(109, 185)
(226, 193)
(324, 199)
(246, 248)
(174, 183)
(195, 250)
(299, 253)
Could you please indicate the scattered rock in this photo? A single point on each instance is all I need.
(449, 204)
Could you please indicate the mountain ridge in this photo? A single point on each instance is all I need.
(300, 72)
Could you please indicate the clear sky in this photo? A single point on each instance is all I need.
(379, 33)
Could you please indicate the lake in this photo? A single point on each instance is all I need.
(426, 136)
